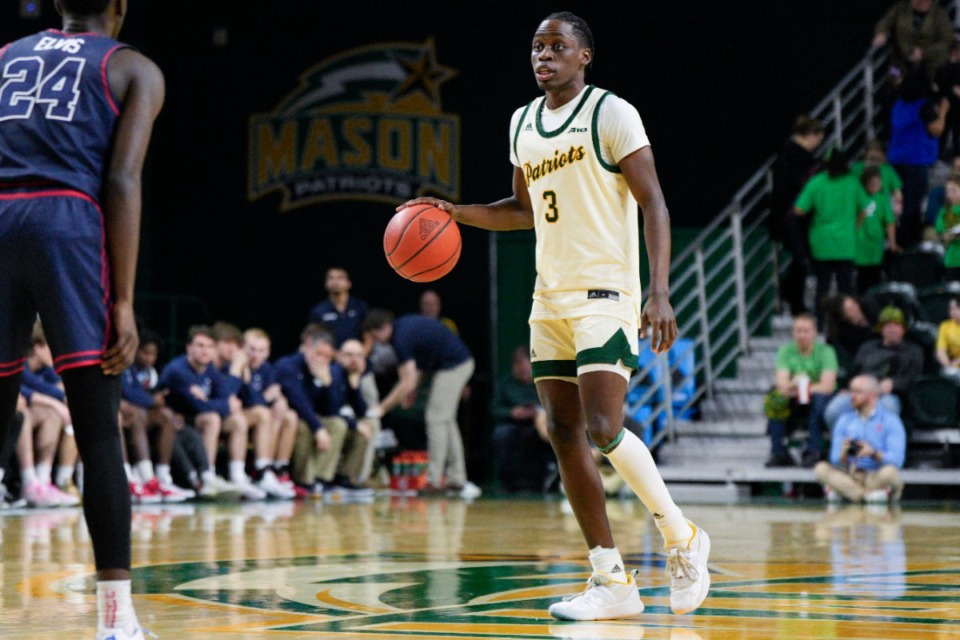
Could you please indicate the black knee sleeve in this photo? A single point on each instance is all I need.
(94, 403)
(10, 423)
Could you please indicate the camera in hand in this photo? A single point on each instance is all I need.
(855, 445)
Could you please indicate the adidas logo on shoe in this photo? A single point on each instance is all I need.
(616, 569)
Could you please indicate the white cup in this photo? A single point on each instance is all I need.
(803, 388)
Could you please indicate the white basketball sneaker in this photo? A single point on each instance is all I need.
(606, 597)
(687, 570)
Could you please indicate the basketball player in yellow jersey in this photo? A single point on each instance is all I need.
(582, 162)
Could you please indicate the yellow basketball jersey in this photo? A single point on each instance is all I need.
(584, 214)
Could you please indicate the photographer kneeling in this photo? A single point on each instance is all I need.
(867, 450)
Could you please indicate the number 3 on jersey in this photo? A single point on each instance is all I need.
(23, 85)
(553, 214)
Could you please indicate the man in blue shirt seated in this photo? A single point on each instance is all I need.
(231, 360)
(317, 387)
(867, 451)
(341, 312)
(264, 390)
(205, 399)
(425, 344)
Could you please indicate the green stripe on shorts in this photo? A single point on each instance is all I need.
(545, 368)
(617, 348)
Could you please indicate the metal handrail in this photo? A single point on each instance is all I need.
(848, 110)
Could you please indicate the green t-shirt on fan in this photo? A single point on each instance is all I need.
(888, 176)
(947, 219)
(834, 204)
(872, 233)
(821, 358)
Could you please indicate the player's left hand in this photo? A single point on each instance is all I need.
(121, 354)
(658, 317)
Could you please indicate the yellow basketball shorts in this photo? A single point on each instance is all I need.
(565, 348)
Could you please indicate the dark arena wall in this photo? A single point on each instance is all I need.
(255, 185)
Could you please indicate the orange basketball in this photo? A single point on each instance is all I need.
(422, 243)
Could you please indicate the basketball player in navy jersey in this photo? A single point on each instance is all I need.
(76, 114)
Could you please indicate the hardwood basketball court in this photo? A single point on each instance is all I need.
(411, 568)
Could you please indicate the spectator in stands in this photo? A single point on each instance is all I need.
(835, 199)
(948, 226)
(341, 312)
(262, 389)
(231, 361)
(425, 345)
(876, 230)
(846, 326)
(919, 33)
(316, 388)
(199, 393)
(916, 123)
(867, 450)
(948, 339)
(875, 155)
(937, 196)
(430, 306)
(895, 362)
(947, 81)
(521, 450)
(356, 459)
(794, 166)
(806, 376)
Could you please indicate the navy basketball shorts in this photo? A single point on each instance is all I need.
(53, 262)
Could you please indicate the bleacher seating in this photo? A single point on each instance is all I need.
(935, 301)
(925, 335)
(921, 267)
(932, 419)
(902, 295)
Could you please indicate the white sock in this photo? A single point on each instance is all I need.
(145, 469)
(633, 462)
(64, 474)
(29, 475)
(115, 607)
(238, 474)
(128, 471)
(163, 474)
(607, 561)
(208, 476)
(263, 463)
(43, 472)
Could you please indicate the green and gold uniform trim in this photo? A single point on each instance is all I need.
(553, 368)
(516, 134)
(616, 349)
(562, 128)
(595, 134)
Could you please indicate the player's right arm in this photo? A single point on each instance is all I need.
(139, 84)
(509, 214)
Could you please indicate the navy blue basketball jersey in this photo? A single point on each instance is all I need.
(57, 113)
